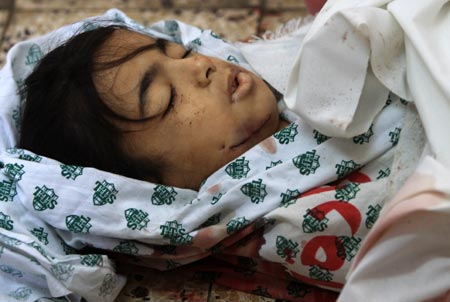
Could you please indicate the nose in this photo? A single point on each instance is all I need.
(200, 68)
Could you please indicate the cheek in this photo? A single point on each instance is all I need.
(188, 116)
(198, 113)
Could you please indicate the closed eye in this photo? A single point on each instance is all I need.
(187, 53)
(172, 99)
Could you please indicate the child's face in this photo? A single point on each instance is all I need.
(197, 112)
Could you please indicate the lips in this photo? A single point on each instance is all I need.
(239, 84)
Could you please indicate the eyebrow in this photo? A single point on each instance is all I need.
(148, 78)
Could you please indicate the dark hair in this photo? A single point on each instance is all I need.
(64, 117)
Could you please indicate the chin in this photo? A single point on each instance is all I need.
(274, 92)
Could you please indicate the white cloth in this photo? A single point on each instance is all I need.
(357, 49)
(355, 52)
(274, 55)
(406, 256)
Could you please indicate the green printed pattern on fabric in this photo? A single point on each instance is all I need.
(286, 248)
(346, 167)
(256, 190)
(232, 59)
(347, 247)
(176, 233)
(40, 234)
(14, 171)
(171, 26)
(91, 260)
(321, 274)
(25, 155)
(395, 136)
(347, 192)
(78, 224)
(307, 163)
(21, 293)
(238, 169)
(62, 271)
(365, 137)
(173, 29)
(274, 164)
(197, 42)
(287, 135)
(71, 172)
(104, 193)
(314, 221)
(9, 241)
(289, 197)
(163, 195)
(16, 116)
(372, 215)
(11, 270)
(382, 173)
(34, 55)
(8, 188)
(126, 247)
(215, 35)
(319, 137)
(137, 219)
(389, 100)
(119, 18)
(6, 222)
(30, 157)
(216, 198)
(108, 285)
(44, 198)
(237, 224)
(20, 88)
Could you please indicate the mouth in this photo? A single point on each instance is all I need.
(249, 133)
(239, 84)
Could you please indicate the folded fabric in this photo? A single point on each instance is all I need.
(358, 51)
(406, 256)
(354, 53)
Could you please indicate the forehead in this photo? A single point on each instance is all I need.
(122, 42)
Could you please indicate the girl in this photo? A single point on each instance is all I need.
(146, 108)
